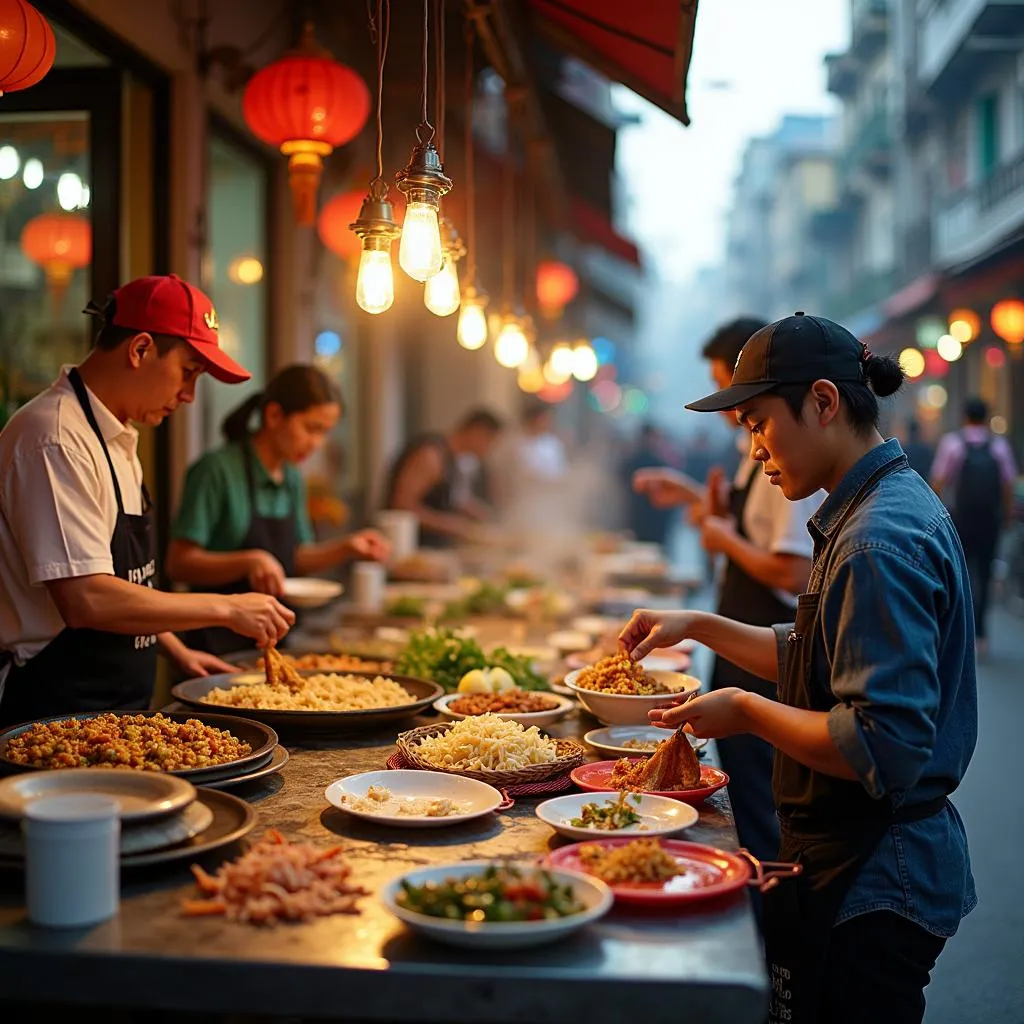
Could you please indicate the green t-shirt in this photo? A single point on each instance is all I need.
(215, 511)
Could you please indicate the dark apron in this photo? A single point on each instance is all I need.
(274, 534)
(87, 669)
(439, 497)
(746, 758)
(833, 840)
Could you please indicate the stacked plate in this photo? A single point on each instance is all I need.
(163, 818)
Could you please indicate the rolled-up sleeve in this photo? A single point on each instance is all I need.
(881, 629)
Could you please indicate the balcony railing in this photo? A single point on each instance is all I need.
(975, 218)
(916, 250)
(869, 27)
(843, 71)
(870, 148)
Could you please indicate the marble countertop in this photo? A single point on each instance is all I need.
(701, 964)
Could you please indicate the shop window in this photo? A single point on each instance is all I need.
(235, 271)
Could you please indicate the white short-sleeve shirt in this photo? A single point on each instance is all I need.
(57, 507)
(772, 522)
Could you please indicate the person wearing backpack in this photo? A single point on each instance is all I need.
(974, 473)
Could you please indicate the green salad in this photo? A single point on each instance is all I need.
(407, 607)
(444, 656)
(500, 894)
(609, 816)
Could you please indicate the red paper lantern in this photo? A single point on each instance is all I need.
(306, 104)
(557, 286)
(27, 46)
(60, 243)
(333, 222)
(1008, 320)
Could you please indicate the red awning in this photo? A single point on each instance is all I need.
(592, 226)
(646, 46)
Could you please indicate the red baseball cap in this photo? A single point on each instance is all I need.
(165, 304)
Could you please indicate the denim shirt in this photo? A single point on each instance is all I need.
(897, 639)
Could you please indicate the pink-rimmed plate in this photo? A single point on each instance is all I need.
(707, 873)
(596, 777)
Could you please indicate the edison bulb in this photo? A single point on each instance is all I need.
(375, 285)
(584, 362)
(554, 373)
(441, 294)
(420, 254)
(511, 348)
(10, 162)
(472, 331)
(561, 360)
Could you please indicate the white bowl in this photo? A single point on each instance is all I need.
(611, 740)
(591, 892)
(660, 816)
(568, 641)
(539, 718)
(309, 592)
(478, 797)
(546, 603)
(622, 709)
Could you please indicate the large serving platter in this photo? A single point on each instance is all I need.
(422, 694)
(260, 737)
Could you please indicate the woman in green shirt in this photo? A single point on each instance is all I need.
(242, 524)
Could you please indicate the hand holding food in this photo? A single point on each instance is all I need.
(260, 617)
(663, 487)
(712, 716)
(369, 545)
(715, 534)
(649, 631)
(266, 575)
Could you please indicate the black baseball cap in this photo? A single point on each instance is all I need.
(798, 349)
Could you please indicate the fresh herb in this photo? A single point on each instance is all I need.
(500, 894)
(613, 815)
(407, 607)
(444, 656)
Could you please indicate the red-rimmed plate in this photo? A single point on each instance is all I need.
(707, 873)
(597, 778)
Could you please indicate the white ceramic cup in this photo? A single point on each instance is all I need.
(72, 860)
(368, 582)
(402, 528)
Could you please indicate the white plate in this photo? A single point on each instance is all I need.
(140, 795)
(565, 705)
(545, 603)
(478, 798)
(612, 739)
(629, 709)
(591, 892)
(597, 625)
(308, 592)
(660, 816)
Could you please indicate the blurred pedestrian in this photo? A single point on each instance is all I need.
(974, 473)
(647, 522)
(920, 454)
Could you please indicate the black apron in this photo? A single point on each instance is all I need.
(829, 825)
(746, 758)
(440, 497)
(276, 535)
(86, 669)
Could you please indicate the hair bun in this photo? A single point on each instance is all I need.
(884, 375)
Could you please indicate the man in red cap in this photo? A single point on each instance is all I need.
(80, 622)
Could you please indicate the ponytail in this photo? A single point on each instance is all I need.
(295, 389)
(235, 426)
(884, 375)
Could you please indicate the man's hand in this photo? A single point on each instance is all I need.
(716, 533)
(368, 546)
(711, 716)
(719, 490)
(649, 631)
(260, 617)
(664, 488)
(266, 574)
(195, 664)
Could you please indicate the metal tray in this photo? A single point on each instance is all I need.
(424, 692)
(278, 759)
(260, 737)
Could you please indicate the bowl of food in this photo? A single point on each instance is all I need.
(413, 799)
(490, 905)
(590, 816)
(308, 592)
(619, 691)
(529, 707)
(633, 740)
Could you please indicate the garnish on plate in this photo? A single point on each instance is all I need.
(609, 816)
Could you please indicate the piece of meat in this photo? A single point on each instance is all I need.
(673, 766)
(279, 672)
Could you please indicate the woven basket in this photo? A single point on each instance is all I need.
(570, 754)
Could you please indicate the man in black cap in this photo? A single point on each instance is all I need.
(876, 717)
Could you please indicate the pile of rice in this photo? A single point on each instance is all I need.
(488, 743)
(331, 692)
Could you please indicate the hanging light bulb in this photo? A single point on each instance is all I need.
(472, 330)
(32, 173)
(442, 293)
(69, 191)
(584, 361)
(511, 348)
(10, 162)
(424, 183)
(531, 377)
(375, 225)
(554, 372)
(562, 362)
